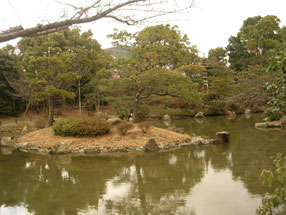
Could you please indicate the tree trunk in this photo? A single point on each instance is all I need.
(27, 109)
(79, 98)
(50, 111)
(136, 108)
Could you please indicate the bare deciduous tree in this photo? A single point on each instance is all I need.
(130, 12)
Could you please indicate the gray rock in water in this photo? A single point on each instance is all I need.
(62, 148)
(7, 150)
(151, 146)
(222, 137)
(114, 121)
(199, 115)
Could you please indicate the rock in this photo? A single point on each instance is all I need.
(199, 115)
(24, 129)
(92, 150)
(151, 146)
(247, 111)
(179, 130)
(62, 148)
(186, 144)
(7, 150)
(166, 117)
(139, 149)
(266, 119)
(274, 124)
(114, 121)
(222, 137)
(6, 141)
(22, 145)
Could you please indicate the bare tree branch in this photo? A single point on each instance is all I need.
(123, 11)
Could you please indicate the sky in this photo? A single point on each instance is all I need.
(209, 24)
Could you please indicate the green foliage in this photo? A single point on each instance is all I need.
(149, 71)
(277, 88)
(215, 107)
(274, 203)
(81, 127)
(8, 68)
(145, 126)
(124, 127)
(219, 54)
(231, 106)
(256, 38)
(273, 113)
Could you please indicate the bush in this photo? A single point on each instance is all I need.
(81, 127)
(273, 114)
(274, 203)
(123, 128)
(231, 106)
(144, 126)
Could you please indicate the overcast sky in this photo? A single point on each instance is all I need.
(209, 24)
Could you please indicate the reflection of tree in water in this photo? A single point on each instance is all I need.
(160, 184)
(157, 183)
(51, 186)
(247, 154)
(148, 183)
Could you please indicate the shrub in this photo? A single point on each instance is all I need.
(144, 126)
(274, 203)
(273, 114)
(81, 127)
(123, 128)
(231, 106)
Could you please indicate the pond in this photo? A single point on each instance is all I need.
(206, 180)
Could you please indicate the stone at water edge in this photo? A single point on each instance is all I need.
(222, 137)
(166, 117)
(199, 115)
(151, 146)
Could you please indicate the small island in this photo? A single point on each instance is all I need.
(135, 138)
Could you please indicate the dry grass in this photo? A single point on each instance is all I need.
(136, 138)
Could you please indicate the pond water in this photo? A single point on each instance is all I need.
(207, 180)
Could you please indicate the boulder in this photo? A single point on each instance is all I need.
(62, 148)
(114, 121)
(199, 115)
(266, 119)
(179, 130)
(231, 114)
(151, 146)
(222, 137)
(274, 124)
(166, 117)
(6, 141)
(7, 150)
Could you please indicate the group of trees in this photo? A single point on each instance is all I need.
(158, 72)
(255, 55)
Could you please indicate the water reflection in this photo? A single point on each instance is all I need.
(213, 180)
